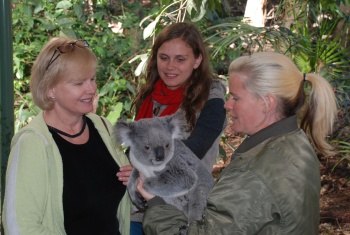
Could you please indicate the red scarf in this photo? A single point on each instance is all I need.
(164, 96)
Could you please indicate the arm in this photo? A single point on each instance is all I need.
(135, 196)
(27, 188)
(209, 126)
(163, 228)
(239, 204)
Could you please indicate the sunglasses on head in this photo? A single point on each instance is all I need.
(67, 47)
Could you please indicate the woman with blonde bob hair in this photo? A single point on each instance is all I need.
(61, 174)
(272, 184)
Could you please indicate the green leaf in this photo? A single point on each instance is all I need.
(166, 2)
(65, 22)
(131, 88)
(30, 23)
(68, 33)
(38, 9)
(46, 24)
(106, 88)
(100, 51)
(64, 5)
(27, 10)
(78, 9)
(98, 15)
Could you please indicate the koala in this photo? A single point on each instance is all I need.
(168, 167)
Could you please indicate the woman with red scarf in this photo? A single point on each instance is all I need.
(178, 76)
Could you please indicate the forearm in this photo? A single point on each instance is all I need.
(209, 126)
(227, 211)
(163, 219)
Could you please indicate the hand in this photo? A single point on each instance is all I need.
(146, 195)
(95, 102)
(124, 174)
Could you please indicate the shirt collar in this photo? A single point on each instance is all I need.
(280, 127)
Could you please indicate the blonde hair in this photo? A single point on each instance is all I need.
(274, 73)
(46, 72)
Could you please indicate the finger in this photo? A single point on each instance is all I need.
(139, 185)
(126, 168)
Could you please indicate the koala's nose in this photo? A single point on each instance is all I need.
(159, 153)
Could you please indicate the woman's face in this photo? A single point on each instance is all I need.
(175, 62)
(75, 94)
(248, 112)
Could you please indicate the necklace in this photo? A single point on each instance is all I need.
(156, 111)
(69, 135)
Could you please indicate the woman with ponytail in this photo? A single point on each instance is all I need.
(272, 185)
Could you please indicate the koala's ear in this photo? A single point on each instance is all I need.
(176, 125)
(122, 133)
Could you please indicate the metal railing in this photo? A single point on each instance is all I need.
(6, 91)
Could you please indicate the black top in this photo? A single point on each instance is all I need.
(208, 127)
(91, 190)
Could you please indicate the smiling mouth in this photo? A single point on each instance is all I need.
(170, 75)
(86, 100)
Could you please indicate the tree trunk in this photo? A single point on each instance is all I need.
(255, 13)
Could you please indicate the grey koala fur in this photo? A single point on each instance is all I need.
(168, 167)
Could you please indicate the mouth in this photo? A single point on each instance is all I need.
(85, 100)
(234, 119)
(171, 75)
(155, 162)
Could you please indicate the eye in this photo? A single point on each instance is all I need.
(147, 147)
(167, 146)
(234, 98)
(180, 59)
(164, 58)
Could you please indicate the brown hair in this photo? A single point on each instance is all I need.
(197, 87)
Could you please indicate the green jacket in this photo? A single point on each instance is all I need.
(271, 186)
(34, 181)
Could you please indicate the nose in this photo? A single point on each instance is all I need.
(228, 104)
(170, 65)
(159, 151)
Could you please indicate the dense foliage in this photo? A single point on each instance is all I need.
(112, 33)
(121, 34)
